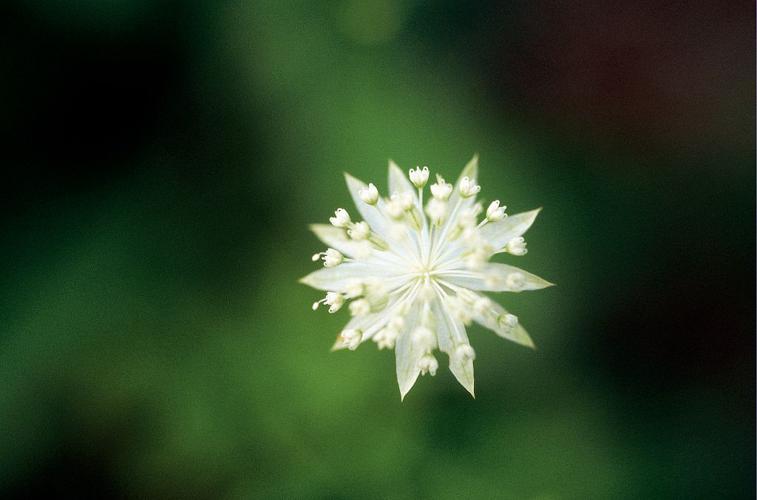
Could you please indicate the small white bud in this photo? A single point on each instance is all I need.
(482, 305)
(476, 259)
(459, 310)
(441, 190)
(363, 249)
(516, 246)
(515, 281)
(423, 338)
(354, 289)
(351, 338)
(386, 338)
(428, 364)
(404, 200)
(332, 258)
(468, 187)
(469, 217)
(436, 210)
(396, 323)
(359, 231)
(376, 294)
(341, 218)
(507, 321)
(360, 307)
(369, 195)
(495, 213)
(419, 177)
(394, 207)
(335, 300)
(465, 352)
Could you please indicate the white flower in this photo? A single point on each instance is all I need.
(516, 246)
(330, 257)
(370, 194)
(468, 187)
(441, 190)
(428, 364)
(359, 231)
(419, 177)
(414, 276)
(360, 307)
(495, 213)
(436, 210)
(351, 338)
(341, 218)
(333, 299)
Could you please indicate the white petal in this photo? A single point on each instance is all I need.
(398, 181)
(462, 369)
(448, 332)
(369, 324)
(336, 238)
(451, 333)
(336, 279)
(407, 355)
(498, 234)
(470, 170)
(519, 335)
(371, 214)
(495, 277)
(515, 334)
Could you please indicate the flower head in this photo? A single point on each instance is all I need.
(413, 275)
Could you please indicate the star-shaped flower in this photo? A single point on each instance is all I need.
(413, 275)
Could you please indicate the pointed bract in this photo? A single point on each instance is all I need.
(498, 234)
(496, 277)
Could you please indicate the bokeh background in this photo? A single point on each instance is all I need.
(163, 158)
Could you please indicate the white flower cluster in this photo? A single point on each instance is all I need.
(412, 273)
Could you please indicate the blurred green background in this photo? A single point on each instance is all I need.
(164, 158)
